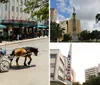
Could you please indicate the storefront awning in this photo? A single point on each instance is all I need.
(42, 27)
(2, 26)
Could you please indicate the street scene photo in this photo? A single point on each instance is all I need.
(24, 42)
(37, 73)
(74, 21)
(74, 64)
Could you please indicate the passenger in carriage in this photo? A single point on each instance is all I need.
(2, 52)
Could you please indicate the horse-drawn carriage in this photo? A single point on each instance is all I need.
(6, 60)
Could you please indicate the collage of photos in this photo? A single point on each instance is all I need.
(49, 42)
(74, 42)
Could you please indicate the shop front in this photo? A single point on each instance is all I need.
(16, 28)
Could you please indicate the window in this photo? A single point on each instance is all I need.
(20, 9)
(16, 9)
(52, 75)
(61, 69)
(53, 55)
(13, 8)
(5, 7)
(52, 64)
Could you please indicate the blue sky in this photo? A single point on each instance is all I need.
(62, 7)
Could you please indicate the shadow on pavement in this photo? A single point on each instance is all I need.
(21, 67)
(4, 72)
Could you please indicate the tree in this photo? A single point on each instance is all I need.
(84, 35)
(55, 32)
(92, 76)
(38, 9)
(76, 83)
(97, 18)
(95, 35)
(67, 37)
(4, 1)
(93, 81)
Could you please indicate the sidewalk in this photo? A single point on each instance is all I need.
(20, 41)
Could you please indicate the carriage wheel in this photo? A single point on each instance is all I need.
(4, 66)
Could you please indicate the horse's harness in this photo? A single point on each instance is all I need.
(28, 52)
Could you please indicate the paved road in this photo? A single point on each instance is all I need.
(34, 75)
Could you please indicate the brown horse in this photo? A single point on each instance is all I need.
(23, 52)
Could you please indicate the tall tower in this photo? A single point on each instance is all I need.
(73, 26)
(74, 33)
(69, 64)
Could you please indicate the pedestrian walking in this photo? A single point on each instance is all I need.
(14, 37)
(18, 37)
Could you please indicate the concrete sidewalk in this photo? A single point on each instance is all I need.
(20, 41)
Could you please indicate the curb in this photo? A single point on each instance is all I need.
(21, 41)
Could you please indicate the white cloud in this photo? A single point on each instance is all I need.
(60, 18)
(86, 11)
(63, 7)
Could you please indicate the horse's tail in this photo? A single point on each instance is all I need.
(12, 54)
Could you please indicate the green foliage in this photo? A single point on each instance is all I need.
(97, 18)
(38, 10)
(92, 76)
(93, 81)
(89, 36)
(4, 1)
(67, 37)
(76, 83)
(84, 35)
(55, 32)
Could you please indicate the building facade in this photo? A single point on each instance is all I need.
(13, 10)
(13, 17)
(68, 26)
(71, 26)
(53, 14)
(57, 63)
(59, 67)
(93, 71)
(70, 29)
(18, 23)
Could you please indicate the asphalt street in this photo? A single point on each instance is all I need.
(36, 74)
